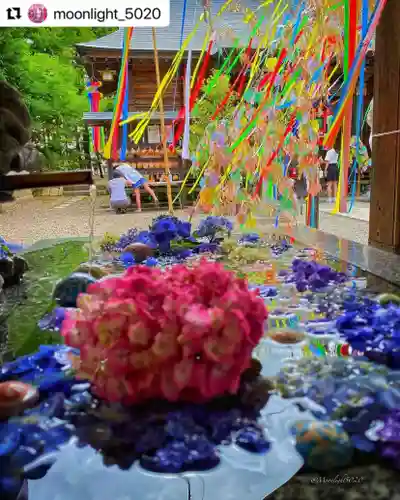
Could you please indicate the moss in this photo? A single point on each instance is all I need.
(47, 267)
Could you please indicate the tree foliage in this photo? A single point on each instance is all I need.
(42, 64)
(214, 93)
(208, 104)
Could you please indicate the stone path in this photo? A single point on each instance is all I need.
(31, 220)
(68, 202)
(359, 211)
(353, 226)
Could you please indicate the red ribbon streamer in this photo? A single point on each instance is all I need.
(241, 77)
(193, 97)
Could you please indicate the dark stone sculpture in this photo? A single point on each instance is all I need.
(14, 125)
(12, 268)
(14, 132)
(28, 158)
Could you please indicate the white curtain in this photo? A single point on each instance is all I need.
(186, 133)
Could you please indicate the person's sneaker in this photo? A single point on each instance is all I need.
(138, 210)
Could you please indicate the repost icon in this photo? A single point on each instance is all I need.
(13, 13)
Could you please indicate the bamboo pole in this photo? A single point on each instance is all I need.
(162, 122)
(207, 12)
(358, 193)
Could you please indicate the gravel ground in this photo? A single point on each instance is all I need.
(345, 227)
(30, 220)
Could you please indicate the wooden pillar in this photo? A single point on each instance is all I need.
(384, 228)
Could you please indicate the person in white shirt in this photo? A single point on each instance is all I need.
(332, 173)
(137, 181)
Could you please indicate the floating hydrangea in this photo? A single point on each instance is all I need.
(355, 393)
(213, 228)
(52, 322)
(309, 275)
(389, 436)
(125, 240)
(250, 238)
(179, 334)
(373, 329)
(166, 229)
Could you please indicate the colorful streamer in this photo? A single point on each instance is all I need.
(350, 83)
(361, 85)
(110, 147)
(125, 112)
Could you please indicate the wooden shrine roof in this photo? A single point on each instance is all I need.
(229, 26)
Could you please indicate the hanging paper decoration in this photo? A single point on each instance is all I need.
(282, 90)
(94, 97)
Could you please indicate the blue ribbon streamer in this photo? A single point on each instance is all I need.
(125, 113)
(353, 173)
(183, 22)
(312, 214)
(296, 26)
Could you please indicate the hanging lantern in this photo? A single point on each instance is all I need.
(108, 75)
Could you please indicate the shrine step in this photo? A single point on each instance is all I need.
(83, 190)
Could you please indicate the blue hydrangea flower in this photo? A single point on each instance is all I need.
(52, 322)
(250, 238)
(213, 227)
(166, 229)
(151, 262)
(127, 259)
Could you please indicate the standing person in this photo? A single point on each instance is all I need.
(292, 171)
(332, 173)
(137, 180)
(300, 189)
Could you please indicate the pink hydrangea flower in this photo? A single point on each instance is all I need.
(180, 334)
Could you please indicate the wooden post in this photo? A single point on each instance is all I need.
(162, 122)
(384, 227)
(109, 169)
(344, 171)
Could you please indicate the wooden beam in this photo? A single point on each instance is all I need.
(45, 179)
(384, 228)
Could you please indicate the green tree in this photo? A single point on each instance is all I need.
(208, 104)
(202, 124)
(43, 65)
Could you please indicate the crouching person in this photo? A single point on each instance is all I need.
(119, 200)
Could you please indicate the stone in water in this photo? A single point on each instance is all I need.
(68, 289)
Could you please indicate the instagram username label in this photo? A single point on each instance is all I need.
(24, 13)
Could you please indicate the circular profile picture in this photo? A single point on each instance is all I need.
(37, 13)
